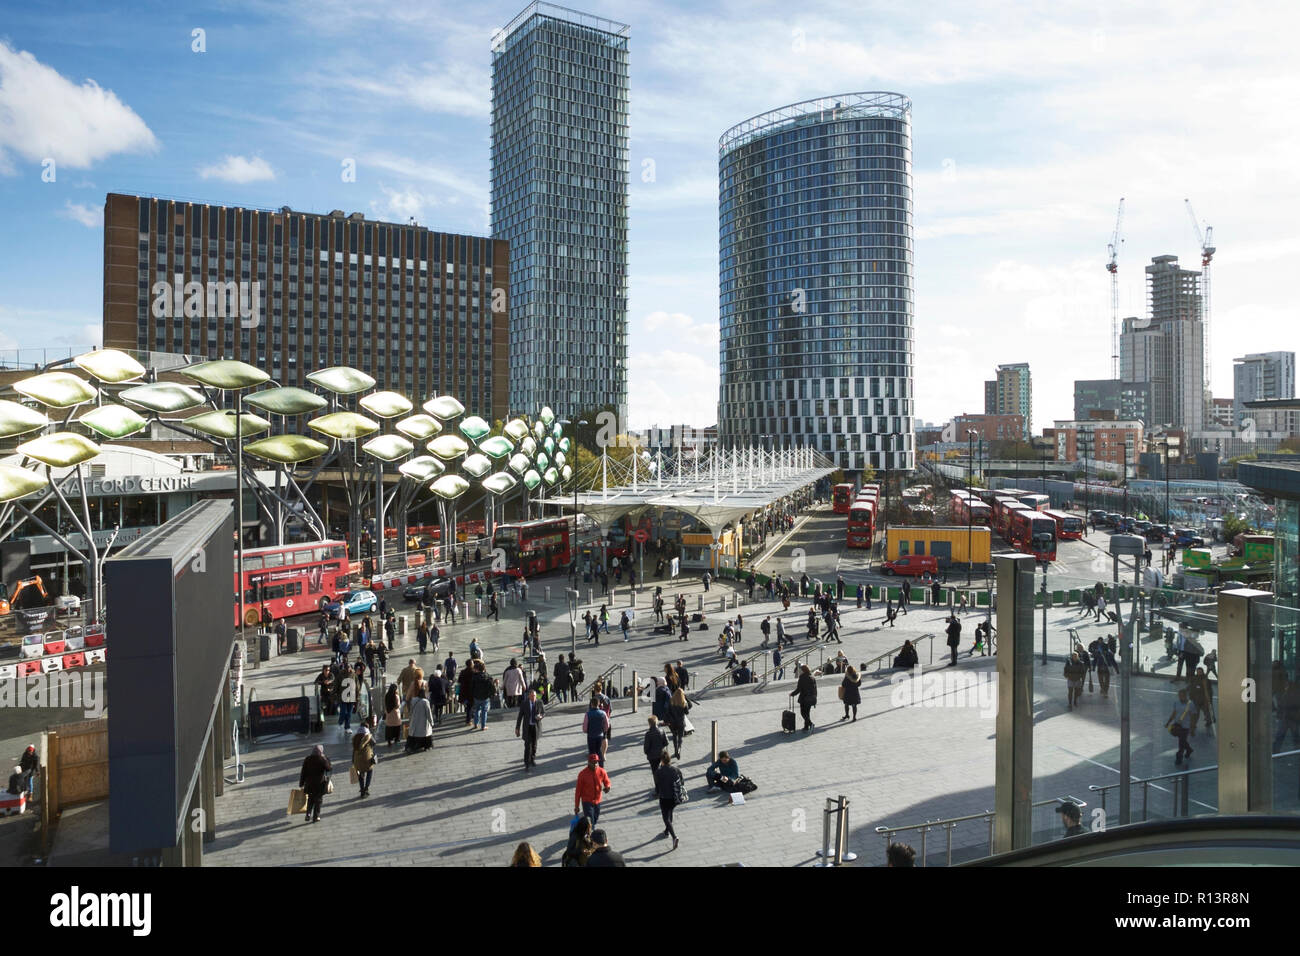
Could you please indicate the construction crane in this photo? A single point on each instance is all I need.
(1206, 241)
(1112, 266)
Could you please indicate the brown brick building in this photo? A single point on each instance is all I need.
(425, 313)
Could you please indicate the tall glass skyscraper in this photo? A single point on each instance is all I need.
(559, 197)
(815, 245)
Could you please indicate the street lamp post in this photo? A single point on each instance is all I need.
(970, 526)
(573, 550)
(239, 505)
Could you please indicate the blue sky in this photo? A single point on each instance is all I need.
(1029, 122)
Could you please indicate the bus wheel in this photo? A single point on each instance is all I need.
(323, 603)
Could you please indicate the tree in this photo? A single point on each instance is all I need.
(1233, 526)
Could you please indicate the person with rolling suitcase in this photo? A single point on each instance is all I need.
(787, 717)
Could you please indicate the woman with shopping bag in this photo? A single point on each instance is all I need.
(314, 781)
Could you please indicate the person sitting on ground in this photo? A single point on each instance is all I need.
(722, 768)
(906, 658)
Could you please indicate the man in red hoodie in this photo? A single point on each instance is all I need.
(593, 781)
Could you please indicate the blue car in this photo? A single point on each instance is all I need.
(356, 602)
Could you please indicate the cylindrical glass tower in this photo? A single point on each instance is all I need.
(815, 276)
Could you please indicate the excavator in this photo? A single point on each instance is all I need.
(23, 585)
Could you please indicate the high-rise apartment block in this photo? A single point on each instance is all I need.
(1011, 393)
(292, 292)
(1112, 399)
(1167, 349)
(1264, 375)
(815, 280)
(559, 197)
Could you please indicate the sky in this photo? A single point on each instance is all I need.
(1030, 121)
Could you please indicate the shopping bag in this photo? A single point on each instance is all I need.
(353, 776)
(297, 801)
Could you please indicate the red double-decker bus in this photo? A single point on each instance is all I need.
(533, 547)
(967, 509)
(1002, 508)
(1033, 532)
(1068, 527)
(291, 579)
(841, 498)
(861, 524)
(1035, 502)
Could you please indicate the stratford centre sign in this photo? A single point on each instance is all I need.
(133, 484)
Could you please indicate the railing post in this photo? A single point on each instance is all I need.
(713, 735)
(636, 692)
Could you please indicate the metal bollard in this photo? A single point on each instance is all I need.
(632, 596)
(722, 604)
(547, 594)
(838, 853)
(589, 600)
(700, 605)
(401, 624)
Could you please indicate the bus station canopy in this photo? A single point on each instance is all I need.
(720, 490)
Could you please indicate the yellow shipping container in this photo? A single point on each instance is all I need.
(949, 543)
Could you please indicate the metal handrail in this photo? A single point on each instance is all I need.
(1180, 792)
(890, 655)
(729, 671)
(604, 675)
(948, 824)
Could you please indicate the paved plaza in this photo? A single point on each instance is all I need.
(470, 801)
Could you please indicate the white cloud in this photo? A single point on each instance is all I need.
(438, 175)
(46, 116)
(432, 88)
(672, 387)
(681, 329)
(399, 205)
(88, 217)
(239, 169)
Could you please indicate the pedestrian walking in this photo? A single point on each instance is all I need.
(494, 611)
(1074, 672)
(392, 715)
(671, 790)
(595, 724)
(347, 699)
(655, 744)
(1180, 722)
(806, 691)
(513, 684)
(363, 759)
(954, 637)
(678, 708)
(419, 733)
(593, 784)
(778, 670)
(314, 781)
(850, 694)
(528, 725)
(625, 626)
(481, 690)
